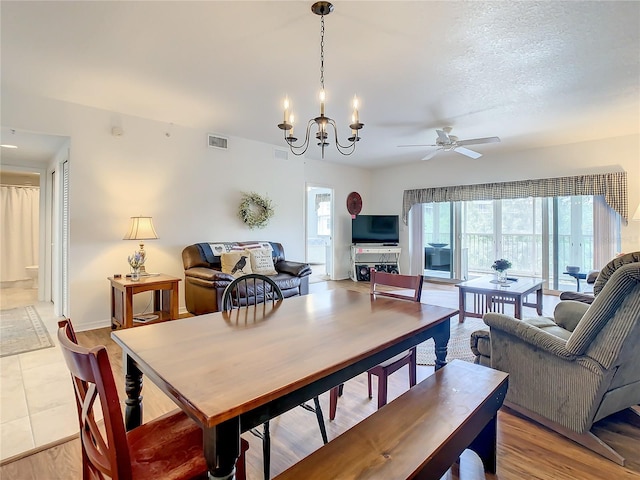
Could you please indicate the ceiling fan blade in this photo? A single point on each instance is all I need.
(430, 155)
(417, 145)
(443, 136)
(468, 153)
(478, 141)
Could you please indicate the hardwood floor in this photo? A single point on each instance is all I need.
(525, 449)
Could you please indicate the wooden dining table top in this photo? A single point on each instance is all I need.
(221, 365)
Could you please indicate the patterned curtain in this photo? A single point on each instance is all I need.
(612, 185)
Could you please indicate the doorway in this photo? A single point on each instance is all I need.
(41, 156)
(319, 232)
(21, 200)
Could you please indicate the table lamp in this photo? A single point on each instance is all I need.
(141, 228)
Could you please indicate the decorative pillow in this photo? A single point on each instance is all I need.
(236, 263)
(262, 261)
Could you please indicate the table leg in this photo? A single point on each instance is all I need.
(158, 300)
(174, 300)
(128, 308)
(485, 445)
(222, 448)
(133, 388)
(441, 336)
(518, 306)
(539, 301)
(577, 284)
(462, 301)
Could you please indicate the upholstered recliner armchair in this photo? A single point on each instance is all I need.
(582, 367)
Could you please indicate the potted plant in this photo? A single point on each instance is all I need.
(501, 266)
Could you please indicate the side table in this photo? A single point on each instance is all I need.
(165, 298)
(578, 276)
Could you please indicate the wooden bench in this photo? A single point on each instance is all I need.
(418, 435)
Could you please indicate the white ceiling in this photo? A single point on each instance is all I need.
(532, 73)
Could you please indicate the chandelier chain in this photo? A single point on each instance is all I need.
(322, 52)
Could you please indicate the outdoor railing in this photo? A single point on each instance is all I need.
(523, 251)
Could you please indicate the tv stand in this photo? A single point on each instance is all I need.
(381, 257)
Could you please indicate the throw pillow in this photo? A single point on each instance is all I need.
(262, 261)
(236, 263)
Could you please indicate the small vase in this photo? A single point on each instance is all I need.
(135, 274)
(502, 276)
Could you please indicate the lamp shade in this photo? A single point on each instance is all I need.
(141, 228)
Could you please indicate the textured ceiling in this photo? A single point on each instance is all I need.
(532, 73)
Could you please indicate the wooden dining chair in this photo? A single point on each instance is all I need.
(250, 289)
(252, 292)
(168, 447)
(403, 287)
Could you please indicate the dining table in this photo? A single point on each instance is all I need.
(232, 371)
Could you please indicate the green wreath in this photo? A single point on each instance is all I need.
(255, 210)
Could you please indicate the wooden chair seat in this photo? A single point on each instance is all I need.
(169, 447)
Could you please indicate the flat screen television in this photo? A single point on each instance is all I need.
(375, 229)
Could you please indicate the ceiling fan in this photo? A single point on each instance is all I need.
(450, 143)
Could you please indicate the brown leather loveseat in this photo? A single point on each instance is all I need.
(205, 282)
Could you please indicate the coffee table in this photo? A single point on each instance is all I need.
(489, 296)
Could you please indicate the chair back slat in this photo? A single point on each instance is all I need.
(250, 289)
(413, 283)
(105, 449)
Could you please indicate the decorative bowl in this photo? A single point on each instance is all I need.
(438, 245)
(571, 269)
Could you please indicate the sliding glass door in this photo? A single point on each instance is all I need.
(572, 236)
(540, 236)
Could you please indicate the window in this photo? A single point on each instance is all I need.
(540, 236)
(324, 216)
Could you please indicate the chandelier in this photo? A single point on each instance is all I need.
(323, 122)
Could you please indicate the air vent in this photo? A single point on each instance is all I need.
(216, 141)
(280, 154)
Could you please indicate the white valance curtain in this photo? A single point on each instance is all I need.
(613, 186)
(19, 233)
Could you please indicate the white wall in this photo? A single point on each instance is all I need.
(614, 154)
(191, 191)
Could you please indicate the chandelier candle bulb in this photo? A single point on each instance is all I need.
(322, 102)
(286, 108)
(291, 119)
(355, 109)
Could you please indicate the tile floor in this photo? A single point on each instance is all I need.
(37, 404)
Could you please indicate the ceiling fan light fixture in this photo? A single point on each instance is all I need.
(322, 121)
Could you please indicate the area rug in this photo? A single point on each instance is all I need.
(459, 343)
(21, 331)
